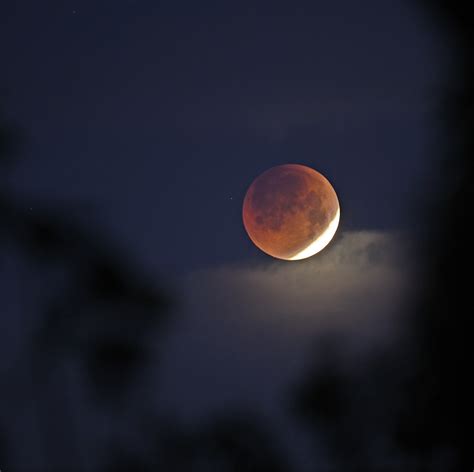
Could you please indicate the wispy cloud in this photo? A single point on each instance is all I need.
(246, 329)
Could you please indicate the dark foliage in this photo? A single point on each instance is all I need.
(427, 381)
(231, 444)
(100, 322)
(409, 410)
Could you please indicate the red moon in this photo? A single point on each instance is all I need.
(291, 212)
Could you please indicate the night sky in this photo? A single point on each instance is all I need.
(149, 120)
(157, 116)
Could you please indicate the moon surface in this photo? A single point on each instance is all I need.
(291, 212)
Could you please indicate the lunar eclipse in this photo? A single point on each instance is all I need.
(291, 212)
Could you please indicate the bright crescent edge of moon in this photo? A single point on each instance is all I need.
(320, 243)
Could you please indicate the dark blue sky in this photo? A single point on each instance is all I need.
(150, 120)
(156, 116)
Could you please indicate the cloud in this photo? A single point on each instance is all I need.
(246, 329)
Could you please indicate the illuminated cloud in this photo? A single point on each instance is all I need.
(247, 329)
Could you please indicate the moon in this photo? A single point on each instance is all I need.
(291, 212)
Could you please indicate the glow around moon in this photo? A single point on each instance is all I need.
(291, 212)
